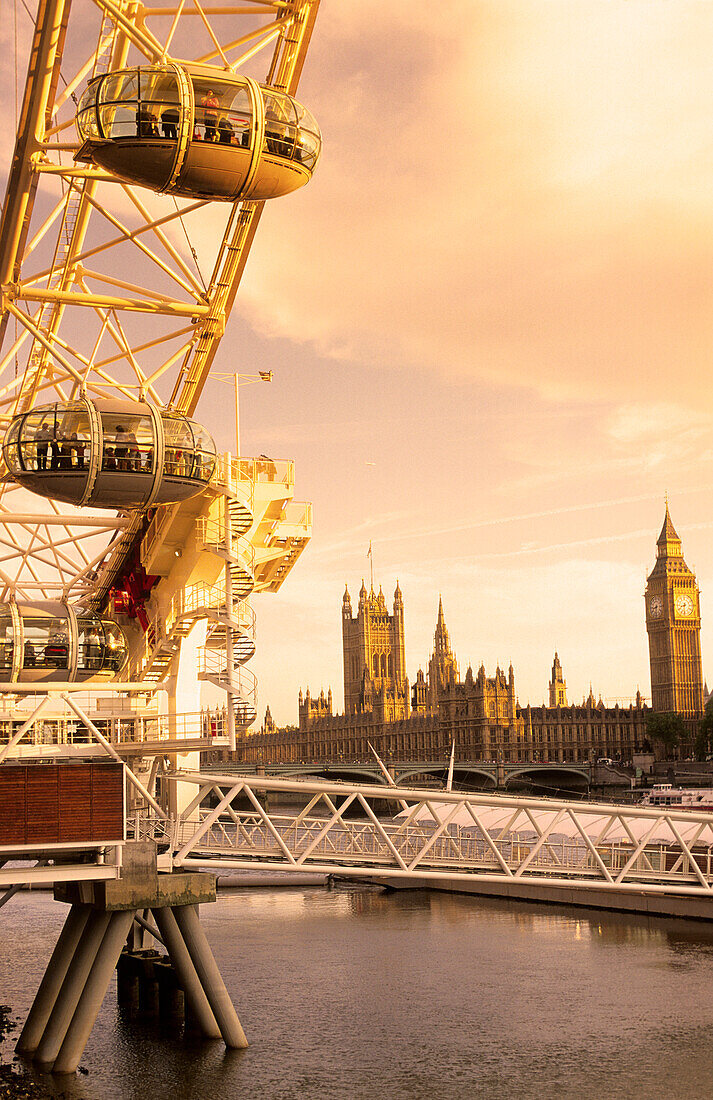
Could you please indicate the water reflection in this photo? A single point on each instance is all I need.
(371, 993)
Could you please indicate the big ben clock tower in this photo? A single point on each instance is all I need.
(673, 622)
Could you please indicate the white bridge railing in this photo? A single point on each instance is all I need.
(369, 830)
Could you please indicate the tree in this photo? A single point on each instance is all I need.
(666, 727)
(704, 741)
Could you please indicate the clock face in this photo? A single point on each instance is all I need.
(683, 605)
(655, 607)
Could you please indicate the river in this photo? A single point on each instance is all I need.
(371, 995)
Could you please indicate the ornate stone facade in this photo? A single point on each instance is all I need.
(374, 661)
(481, 714)
(673, 622)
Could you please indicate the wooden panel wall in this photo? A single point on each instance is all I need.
(61, 803)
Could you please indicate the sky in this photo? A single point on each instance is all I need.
(489, 322)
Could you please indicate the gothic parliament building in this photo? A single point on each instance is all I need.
(481, 713)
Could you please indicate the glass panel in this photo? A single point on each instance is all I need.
(280, 131)
(305, 119)
(74, 436)
(10, 447)
(308, 148)
(210, 101)
(89, 95)
(278, 106)
(90, 654)
(178, 444)
(223, 112)
(119, 120)
(120, 86)
(159, 86)
(128, 442)
(88, 125)
(116, 649)
(204, 457)
(46, 642)
(6, 639)
(38, 447)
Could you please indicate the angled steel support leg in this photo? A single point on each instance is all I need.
(54, 975)
(94, 992)
(71, 990)
(210, 977)
(186, 972)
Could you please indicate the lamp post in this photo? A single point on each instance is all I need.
(236, 379)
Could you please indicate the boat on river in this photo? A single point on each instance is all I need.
(665, 795)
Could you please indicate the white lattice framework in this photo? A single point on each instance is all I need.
(102, 289)
(436, 834)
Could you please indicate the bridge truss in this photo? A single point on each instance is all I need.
(401, 834)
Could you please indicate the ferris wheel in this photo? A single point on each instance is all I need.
(149, 139)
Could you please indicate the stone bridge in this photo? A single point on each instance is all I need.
(469, 775)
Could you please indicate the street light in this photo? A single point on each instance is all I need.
(235, 379)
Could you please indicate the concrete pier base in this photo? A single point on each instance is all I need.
(54, 975)
(102, 918)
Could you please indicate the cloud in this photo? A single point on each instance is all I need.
(525, 200)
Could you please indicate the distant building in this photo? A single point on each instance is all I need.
(481, 714)
(673, 622)
(374, 662)
(557, 685)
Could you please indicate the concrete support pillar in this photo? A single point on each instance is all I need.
(71, 990)
(94, 991)
(186, 972)
(54, 975)
(210, 978)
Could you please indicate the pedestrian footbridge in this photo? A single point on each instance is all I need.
(405, 836)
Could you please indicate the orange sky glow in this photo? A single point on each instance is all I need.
(489, 318)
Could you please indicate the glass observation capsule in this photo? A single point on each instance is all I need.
(197, 131)
(54, 641)
(109, 454)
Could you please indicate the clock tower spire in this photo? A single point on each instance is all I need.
(673, 623)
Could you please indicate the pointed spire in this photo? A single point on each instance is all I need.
(668, 531)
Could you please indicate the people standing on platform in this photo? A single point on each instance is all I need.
(43, 436)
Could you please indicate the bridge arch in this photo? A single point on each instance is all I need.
(459, 773)
(555, 775)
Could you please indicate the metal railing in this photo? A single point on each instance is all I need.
(237, 473)
(120, 729)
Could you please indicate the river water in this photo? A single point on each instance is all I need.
(370, 995)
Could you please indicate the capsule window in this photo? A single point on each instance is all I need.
(53, 441)
(46, 642)
(178, 447)
(90, 648)
(280, 125)
(204, 455)
(12, 453)
(7, 639)
(139, 103)
(223, 112)
(115, 646)
(128, 443)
